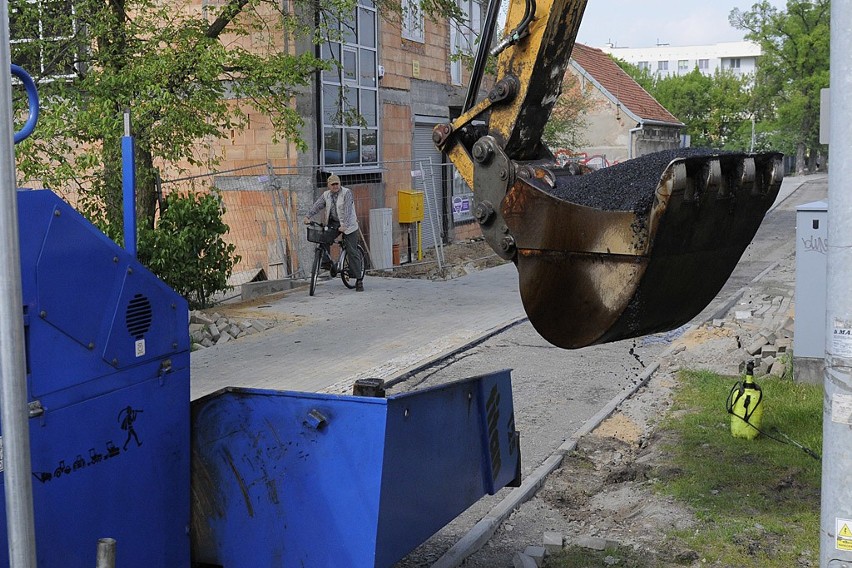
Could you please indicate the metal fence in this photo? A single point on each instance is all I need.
(265, 204)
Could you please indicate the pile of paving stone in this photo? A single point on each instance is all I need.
(771, 351)
(206, 330)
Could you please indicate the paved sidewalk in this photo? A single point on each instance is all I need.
(325, 342)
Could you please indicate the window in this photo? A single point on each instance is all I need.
(735, 63)
(41, 32)
(662, 65)
(349, 99)
(682, 66)
(412, 20)
(644, 66)
(703, 64)
(464, 38)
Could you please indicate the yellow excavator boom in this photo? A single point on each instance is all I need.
(640, 247)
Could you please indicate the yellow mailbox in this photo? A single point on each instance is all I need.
(410, 206)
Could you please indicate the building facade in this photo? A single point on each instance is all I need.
(664, 60)
(623, 121)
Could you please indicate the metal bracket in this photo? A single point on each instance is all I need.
(493, 175)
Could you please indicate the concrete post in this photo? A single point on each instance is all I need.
(836, 508)
(14, 413)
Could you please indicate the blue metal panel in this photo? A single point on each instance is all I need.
(78, 276)
(113, 466)
(78, 289)
(272, 487)
(300, 479)
(445, 448)
(110, 450)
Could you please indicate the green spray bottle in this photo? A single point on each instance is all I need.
(744, 405)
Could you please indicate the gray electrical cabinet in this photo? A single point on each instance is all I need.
(811, 283)
(381, 237)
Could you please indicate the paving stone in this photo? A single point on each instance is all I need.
(213, 329)
(777, 369)
(591, 542)
(224, 338)
(552, 541)
(768, 351)
(756, 345)
(536, 553)
(199, 318)
(521, 560)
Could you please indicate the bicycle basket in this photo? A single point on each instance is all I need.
(316, 235)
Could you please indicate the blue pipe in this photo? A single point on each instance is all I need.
(32, 97)
(128, 184)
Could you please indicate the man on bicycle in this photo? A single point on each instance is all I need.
(339, 206)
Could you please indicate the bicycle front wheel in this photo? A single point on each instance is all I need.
(315, 270)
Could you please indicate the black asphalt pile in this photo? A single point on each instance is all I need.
(628, 186)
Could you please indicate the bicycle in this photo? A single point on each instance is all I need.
(324, 238)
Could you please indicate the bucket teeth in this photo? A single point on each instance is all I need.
(640, 247)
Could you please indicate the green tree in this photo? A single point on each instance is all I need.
(178, 66)
(716, 109)
(187, 249)
(567, 125)
(792, 70)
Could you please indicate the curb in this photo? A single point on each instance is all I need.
(485, 528)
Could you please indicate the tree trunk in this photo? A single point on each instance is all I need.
(146, 192)
(800, 158)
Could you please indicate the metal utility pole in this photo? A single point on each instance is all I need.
(13, 389)
(836, 506)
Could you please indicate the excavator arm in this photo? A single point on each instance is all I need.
(641, 247)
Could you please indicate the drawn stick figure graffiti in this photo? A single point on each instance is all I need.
(127, 416)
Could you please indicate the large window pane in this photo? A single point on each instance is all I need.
(331, 105)
(348, 29)
(56, 18)
(353, 146)
(350, 106)
(367, 27)
(23, 21)
(333, 146)
(331, 52)
(58, 59)
(27, 56)
(369, 146)
(368, 67)
(350, 65)
(368, 107)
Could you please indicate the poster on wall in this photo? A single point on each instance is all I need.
(462, 207)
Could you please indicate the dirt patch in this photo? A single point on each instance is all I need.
(620, 427)
(457, 259)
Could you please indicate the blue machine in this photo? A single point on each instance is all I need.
(107, 356)
(284, 479)
(278, 479)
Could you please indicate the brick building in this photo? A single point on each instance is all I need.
(401, 79)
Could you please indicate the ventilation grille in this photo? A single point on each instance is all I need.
(138, 316)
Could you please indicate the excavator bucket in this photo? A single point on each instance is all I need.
(637, 248)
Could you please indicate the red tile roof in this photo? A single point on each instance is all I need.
(611, 77)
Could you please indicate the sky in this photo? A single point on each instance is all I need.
(645, 23)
